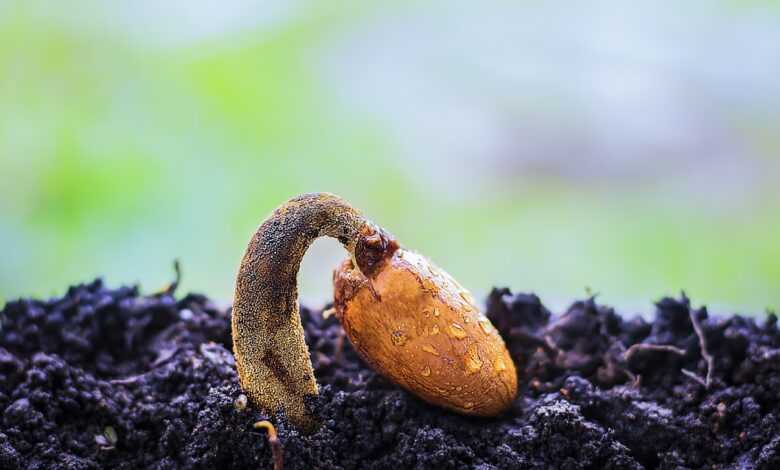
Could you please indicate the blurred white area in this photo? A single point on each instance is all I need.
(604, 93)
(631, 147)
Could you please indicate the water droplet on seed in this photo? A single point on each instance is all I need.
(426, 371)
(429, 285)
(435, 312)
(430, 349)
(457, 331)
(486, 326)
(499, 365)
(466, 297)
(434, 330)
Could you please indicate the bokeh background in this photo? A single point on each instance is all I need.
(628, 148)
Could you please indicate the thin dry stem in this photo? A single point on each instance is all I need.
(705, 353)
(170, 289)
(694, 376)
(630, 352)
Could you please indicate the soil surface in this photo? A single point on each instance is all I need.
(108, 378)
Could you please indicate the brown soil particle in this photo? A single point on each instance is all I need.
(108, 378)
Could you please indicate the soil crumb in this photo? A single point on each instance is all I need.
(110, 378)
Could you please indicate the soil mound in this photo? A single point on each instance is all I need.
(109, 378)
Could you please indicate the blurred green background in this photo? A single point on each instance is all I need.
(633, 149)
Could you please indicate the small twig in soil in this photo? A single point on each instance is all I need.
(637, 381)
(171, 288)
(552, 347)
(630, 352)
(589, 292)
(705, 353)
(159, 362)
(276, 446)
(527, 339)
(694, 376)
(127, 380)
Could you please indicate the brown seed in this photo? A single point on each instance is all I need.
(408, 292)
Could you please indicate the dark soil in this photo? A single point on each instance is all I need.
(110, 378)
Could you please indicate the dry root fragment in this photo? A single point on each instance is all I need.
(634, 349)
(170, 289)
(276, 447)
(705, 353)
(694, 376)
(636, 380)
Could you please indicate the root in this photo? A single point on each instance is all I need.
(551, 348)
(276, 446)
(705, 353)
